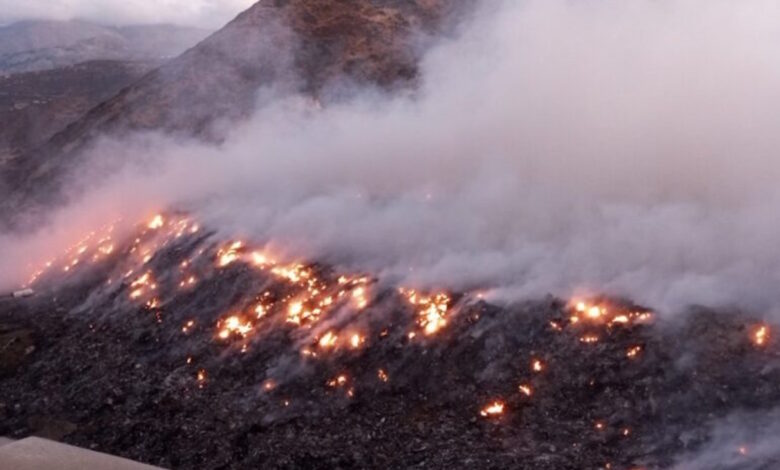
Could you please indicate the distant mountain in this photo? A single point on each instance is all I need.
(39, 45)
(300, 46)
(36, 105)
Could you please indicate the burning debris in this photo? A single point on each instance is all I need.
(494, 409)
(761, 335)
(265, 344)
(431, 310)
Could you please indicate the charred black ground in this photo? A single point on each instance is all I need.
(83, 363)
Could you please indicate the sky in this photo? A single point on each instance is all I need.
(202, 13)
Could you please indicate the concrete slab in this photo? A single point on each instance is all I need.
(35, 453)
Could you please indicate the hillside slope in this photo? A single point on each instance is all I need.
(36, 105)
(297, 46)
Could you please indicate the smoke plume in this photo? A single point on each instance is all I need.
(620, 147)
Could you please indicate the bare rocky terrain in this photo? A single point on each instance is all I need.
(36, 105)
(53, 72)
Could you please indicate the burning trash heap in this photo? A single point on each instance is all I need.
(180, 349)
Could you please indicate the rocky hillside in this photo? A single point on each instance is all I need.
(36, 105)
(298, 46)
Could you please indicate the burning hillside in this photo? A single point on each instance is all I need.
(390, 234)
(173, 346)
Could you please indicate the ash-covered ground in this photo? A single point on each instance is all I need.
(174, 347)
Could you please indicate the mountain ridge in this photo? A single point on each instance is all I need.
(368, 42)
(31, 46)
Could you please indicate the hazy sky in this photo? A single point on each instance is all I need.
(205, 13)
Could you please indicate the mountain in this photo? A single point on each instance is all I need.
(36, 105)
(39, 45)
(297, 46)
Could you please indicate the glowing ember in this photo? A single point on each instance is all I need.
(589, 339)
(261, 310)
(431, 310)
(620, 319)
(260, 259)
(141, 284)
(156, 222)
(328, 340)
(229, 254)
(600, 312)
(494, 409)
(186, 328)
(594, 312)
(526, 390)
(106, 249)
(761, 335)
(537, 366)
(355, 341)
(359, 295)
(234, 326)
(294, 274)
(339, 381)
(633, 351)
(382, 375)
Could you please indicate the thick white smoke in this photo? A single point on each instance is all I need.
(626, 147)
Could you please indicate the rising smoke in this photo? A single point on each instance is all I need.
(623, 147)
(744, 441)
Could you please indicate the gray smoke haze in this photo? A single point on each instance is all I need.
(203, 13)
(742, 441)
(620, 147)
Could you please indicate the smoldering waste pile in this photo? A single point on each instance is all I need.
(175, 347)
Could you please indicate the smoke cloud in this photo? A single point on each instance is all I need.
(620, 147)
(745, 441)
